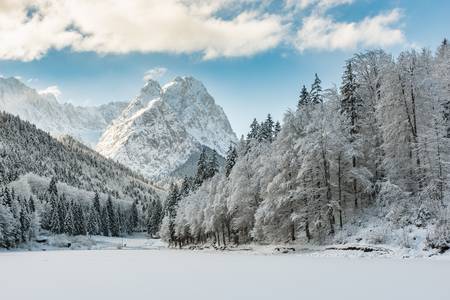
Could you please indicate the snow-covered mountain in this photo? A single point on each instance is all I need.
(163, 127)
(43, 109)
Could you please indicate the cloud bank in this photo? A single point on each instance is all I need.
(213, 28)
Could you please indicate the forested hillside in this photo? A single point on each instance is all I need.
(26, 149)
(87, 193)
(372, 153)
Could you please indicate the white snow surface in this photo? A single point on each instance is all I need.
(185, 274)
(162, 127)
(83, 123)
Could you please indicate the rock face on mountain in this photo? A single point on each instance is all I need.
(162, 128)
(84, 123)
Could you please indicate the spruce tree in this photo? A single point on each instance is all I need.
(171, 208)
(121, 223)
(69, 225)
(276, 129)
(134, 216)
(201, 168)
(254, 130)
(186, 186)
(230, 160)
(52, 189)
(112, 218)
(31, 204)
(97, 203)
(213, 165)
(25, 222)
(316, 91)
(104, 219)
(79, 220)
(154, 217)
(351, 103)
(266, 130)
(93, 226)
(304, 98)
(56, 226)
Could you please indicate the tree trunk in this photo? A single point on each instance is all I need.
(340, 190)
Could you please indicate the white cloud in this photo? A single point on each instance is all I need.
(114, 26)
(52, 90)
(318, 4)
(154, 73)
(214, 28)
(323, 33)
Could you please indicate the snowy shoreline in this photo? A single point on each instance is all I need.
(142, 242)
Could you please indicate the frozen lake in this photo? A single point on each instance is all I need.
(174, 274)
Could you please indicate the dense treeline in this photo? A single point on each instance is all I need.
(21, 219)
(18, 219)
(377, 148)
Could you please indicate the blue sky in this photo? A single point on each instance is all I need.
(251, 56)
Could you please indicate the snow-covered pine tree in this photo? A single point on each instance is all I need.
(304, 98)
(93, 221)
(316, 91)
(69, 224)
(79, 219)
(351, 105)
(230, 160)
(276, 129)
(212, 165)
(112, 217)
(104, 222)
(202, 168)
(134, 216)
(254, 130)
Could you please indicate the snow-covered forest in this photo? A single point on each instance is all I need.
(373, 151)
(368, 160)
(64, 187)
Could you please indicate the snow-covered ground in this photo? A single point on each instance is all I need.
(173, 274)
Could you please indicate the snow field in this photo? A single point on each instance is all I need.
(173, 274)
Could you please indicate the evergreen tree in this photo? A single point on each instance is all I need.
(25, 222)
(351, 103)
(316, 91)
(304, 98)
(93, 222)
(79, 219)
(155, 217)
(7, 198)
(31, 204)
(97, 203)
(134, 216)
(254, 130)
(69, 224)
(105, 222)
(186, 186)
(121, 223)
(266, 130)
(230, 160)
(56, 226)
(213, 165)
(202, 168)
(276, 129)
(171, 208)
(52, 189)
(112, 218)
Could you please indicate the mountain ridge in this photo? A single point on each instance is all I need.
(188, 119)
(85, 123)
